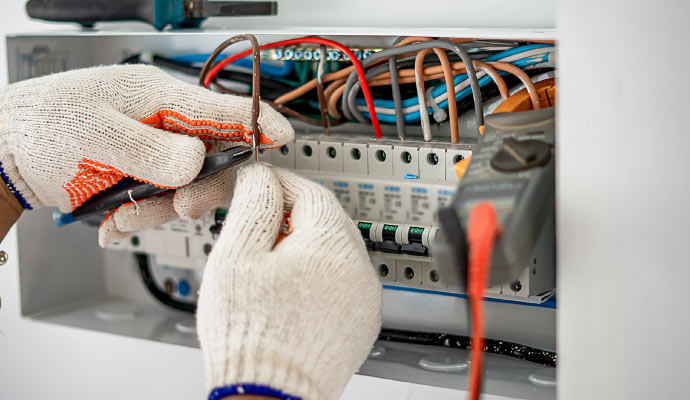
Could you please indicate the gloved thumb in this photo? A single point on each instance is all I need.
(255, 215)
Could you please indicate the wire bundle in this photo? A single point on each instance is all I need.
(392, 82)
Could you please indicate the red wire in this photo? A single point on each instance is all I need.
(358, 67)
(482, 230)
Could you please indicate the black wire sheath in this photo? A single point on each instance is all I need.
(157, 293)
(502, 347)
(493, 346)
(272, 89)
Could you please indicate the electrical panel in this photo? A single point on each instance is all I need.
(146, 286)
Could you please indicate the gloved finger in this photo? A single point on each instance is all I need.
(133, 217)
(197, 198)
(312, 206)
(255, 214)
(168, 103)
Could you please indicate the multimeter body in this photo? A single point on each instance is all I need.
(513, 169)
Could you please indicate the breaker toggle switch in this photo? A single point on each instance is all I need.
(518, 155)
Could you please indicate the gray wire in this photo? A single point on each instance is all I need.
(397, 100)
(350, 110)
(352, 96)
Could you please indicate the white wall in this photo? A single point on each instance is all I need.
(623, 199)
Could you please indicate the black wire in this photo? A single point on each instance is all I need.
(157, 293)
(270, 89)
(502, 347)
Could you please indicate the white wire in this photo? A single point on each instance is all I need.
(423, 114)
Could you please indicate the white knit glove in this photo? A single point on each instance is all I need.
(291, 321)
(67, 136)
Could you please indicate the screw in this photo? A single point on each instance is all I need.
(383, 270)
(207, 248)
(516, 286)
(3, 257)
(433, 276)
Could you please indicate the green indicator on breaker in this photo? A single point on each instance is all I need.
(390, 228)
(364, 225)
(416, 230)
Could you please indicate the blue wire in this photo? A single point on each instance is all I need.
(414, 116)
(266, 69)
(516, 50)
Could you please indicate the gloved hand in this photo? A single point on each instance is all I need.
(295, 319)
(68, 136)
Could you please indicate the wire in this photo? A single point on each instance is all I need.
(256, 84)
(439, 114)
(319, 88)
(516, 50)
(358, 68)
(332, 93)
(411, 113)
(395, 88)
(495, 76)
(450, 88)
(464, 56)
(267, 69)
(531, 90)
(283, 109)
(272, 86)
(163, 297)
(413, 102)
(502, 347)
(482, 230)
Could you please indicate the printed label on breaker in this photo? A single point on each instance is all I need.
(443, 198)
(182, 225)
(393, 204)
(366, 202)
(420, 205)
(343, 193)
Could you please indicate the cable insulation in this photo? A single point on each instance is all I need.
(357, 66)
(482, 231)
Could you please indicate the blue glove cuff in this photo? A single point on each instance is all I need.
(13, 189)
(249, 388)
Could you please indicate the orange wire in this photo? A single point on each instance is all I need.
(524, 78)
(333, 92)
(502, 87)
(450, 87)
(482, 232)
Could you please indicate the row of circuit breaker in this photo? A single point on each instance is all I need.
(400, 255)
(377, 180)
(391, 189)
